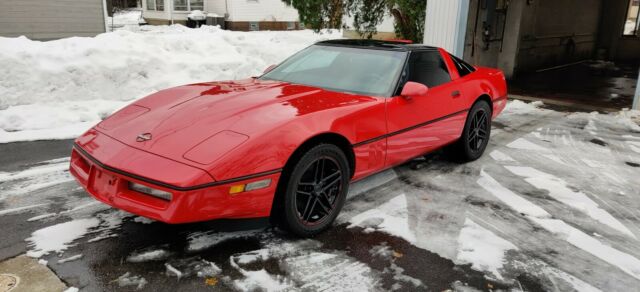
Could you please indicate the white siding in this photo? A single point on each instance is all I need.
(445, 25)
(239, 10)
(216, 6)
(46, 19)
(261, 10)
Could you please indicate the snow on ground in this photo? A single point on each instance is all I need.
(554, 199)
(305, 268)
(127, 19)
(563, 213)
(559, 190)
(148, 255)
(70, 259)
(57, 238)
(482, 248)
(203, 240)
(391, 217)
(58, 89)
(128, 280)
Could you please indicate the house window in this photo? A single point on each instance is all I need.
(196, 5)
(188, 5)
(155, 5)
(159, 5)
(291, 25)
(632, 22)
(254, 26)
(180, 5)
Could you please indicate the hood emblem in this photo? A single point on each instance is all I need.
(143, 137)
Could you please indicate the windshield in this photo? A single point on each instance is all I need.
(344, 69)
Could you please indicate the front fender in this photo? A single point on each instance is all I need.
(269, 148)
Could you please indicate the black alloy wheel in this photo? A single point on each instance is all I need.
(316, 190)
(478, 132)
(475, 135)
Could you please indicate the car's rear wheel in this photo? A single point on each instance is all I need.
(316, 190)
(475, 135)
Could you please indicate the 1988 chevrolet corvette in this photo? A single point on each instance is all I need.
(287, 144)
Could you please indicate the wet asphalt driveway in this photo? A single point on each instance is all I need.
(428, 225)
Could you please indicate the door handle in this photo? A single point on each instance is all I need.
(456, 93)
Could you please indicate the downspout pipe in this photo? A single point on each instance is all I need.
(636, 98)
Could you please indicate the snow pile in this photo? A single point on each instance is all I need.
(59, 237)
(60, 88)
(125, 18)
(518, 107)
(49, 120)
(629, 119)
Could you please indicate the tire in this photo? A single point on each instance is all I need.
(475, 135)
(316, 190)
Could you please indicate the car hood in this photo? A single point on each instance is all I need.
(171, 122)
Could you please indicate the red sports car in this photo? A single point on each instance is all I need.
(287, 144)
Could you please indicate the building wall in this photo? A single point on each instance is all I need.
(558, 32)
(524, 35)
(47, 19)
(263, 25)
(271, 14)
(613, 44)
(260, 10)
(217, 6)
(443, 22)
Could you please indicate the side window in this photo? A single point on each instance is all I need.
(428, 68)
(463, 67)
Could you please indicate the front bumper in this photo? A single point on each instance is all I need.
(109, 183)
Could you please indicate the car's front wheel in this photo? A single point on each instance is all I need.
(316, 190)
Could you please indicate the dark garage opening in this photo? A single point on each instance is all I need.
(578, 53)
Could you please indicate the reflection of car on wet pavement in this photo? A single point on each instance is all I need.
(287, 144)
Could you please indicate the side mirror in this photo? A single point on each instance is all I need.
(412, 89)
(269, 68)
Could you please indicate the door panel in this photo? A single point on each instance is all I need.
(423, 123)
